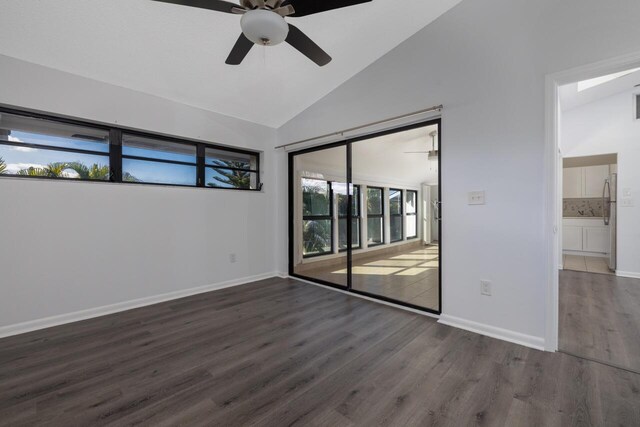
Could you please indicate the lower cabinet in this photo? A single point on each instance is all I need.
(585, 235)
(571, 238)
(595, 239)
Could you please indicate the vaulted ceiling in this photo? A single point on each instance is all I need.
(178, 53)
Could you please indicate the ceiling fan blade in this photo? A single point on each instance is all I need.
(217, 5)
(306, 46)
(239, 51)
(285, 10)
(309, 7)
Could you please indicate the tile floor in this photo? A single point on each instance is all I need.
(590, 264)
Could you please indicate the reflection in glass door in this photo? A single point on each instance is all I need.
(365, 216)
(320, 201)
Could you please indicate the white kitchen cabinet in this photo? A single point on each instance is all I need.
(572, 238)
(572, 183)
(584, 182)
(594, 177)
(585, 235)
(595, 239)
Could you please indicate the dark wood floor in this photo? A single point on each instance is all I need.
(600, 317)
(280, 353)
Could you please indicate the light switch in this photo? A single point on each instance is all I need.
(626, 192)
(476, 198)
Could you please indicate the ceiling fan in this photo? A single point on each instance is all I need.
(433, 153)
(263, 23)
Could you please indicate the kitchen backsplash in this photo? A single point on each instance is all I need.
(582, 207)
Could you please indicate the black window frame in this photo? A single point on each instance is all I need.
(401, 215)
(381, 215)
(415, 214)
(320, 218)
(115, 155)
(357, 217)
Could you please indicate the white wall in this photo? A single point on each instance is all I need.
(486, 62)
(71, 246)
(608, 126)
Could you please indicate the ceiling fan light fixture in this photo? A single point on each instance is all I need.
(264, 27)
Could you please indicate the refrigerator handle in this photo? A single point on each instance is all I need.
(605, 212)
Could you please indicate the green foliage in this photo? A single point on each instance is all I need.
(127, 177)
(95, 171)
(3, 166)
(316, 236)
(57, 170)
(52, 170)
(230, 178)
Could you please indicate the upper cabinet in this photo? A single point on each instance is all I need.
(572, 183)
(584, 181)
(594, 178)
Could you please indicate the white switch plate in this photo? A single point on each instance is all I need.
(626, 192)
(626, 203)
(476, 198)
(485, 287)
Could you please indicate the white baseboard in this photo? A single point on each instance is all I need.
(47, 322)
(493, 332)
(629, 274)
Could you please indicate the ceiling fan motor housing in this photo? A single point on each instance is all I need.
(264, 27)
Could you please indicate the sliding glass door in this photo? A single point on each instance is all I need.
(320, 215)
(355, 209)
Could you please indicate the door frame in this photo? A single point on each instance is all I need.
(348, 144)
(553, 178)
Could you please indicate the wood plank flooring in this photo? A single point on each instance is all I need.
(280, 353)
(600, 317)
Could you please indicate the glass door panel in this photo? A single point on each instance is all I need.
(398, 259)
(320, 200)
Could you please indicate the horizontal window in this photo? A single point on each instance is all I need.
(230, 178)
(145, 171)
(150, 148)
(46, 149)
(40, 146)
(226, 159)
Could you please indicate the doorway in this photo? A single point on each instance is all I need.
(598, 125)
(364, 216)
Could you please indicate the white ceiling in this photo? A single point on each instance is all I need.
(571, 98)
(178, 52)
(384, 160)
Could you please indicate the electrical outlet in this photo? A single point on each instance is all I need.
(626, 203)
(485, 287)
(232, 258)
(476, 198)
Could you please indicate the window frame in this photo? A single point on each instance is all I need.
(401, 215)
(358, 218)
(319, 218)
(381, 215)
(115, 156)
(415, 214)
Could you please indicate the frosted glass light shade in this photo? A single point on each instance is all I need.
(264, 27)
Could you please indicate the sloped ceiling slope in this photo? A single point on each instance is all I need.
(178, 53)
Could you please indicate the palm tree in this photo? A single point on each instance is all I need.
(3, 166)
(52, 170)
(234, 178)
(95, 171)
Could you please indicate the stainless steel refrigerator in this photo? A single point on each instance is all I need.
(609, 199)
